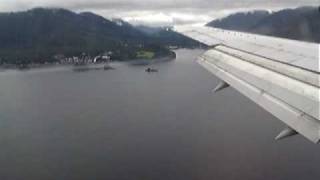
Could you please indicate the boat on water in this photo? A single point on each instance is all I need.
(149, 70)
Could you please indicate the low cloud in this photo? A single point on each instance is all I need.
(157, 12)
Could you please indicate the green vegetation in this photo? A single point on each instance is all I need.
(145, 55)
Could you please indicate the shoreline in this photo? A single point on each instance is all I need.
(141, 62)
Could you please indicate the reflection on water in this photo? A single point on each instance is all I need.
(127, 124)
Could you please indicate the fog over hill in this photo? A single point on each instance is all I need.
(301, 23)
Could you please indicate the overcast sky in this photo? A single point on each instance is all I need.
(158, 12)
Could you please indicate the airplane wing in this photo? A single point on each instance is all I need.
(280, 75)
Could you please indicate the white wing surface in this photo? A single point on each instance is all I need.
(280, 75)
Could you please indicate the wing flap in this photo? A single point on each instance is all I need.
(304, 124)
(280, 75)
(296, 93)
(285, 69)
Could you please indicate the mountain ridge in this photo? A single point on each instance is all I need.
(37, 35)
(299, 24)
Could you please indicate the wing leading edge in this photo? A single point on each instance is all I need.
(280, 75)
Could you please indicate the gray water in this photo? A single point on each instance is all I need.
(126, 124)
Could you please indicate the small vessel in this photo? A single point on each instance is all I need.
(151, 70)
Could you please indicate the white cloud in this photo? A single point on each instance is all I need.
(156, 12)
(164, 18)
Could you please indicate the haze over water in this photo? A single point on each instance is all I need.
(126, 124)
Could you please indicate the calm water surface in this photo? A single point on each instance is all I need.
(125, 124)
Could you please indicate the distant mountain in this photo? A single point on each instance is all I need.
(165, 36)
(301, 23)
(38, 34)
(240, 21)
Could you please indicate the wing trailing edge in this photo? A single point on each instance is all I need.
(286, 89)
